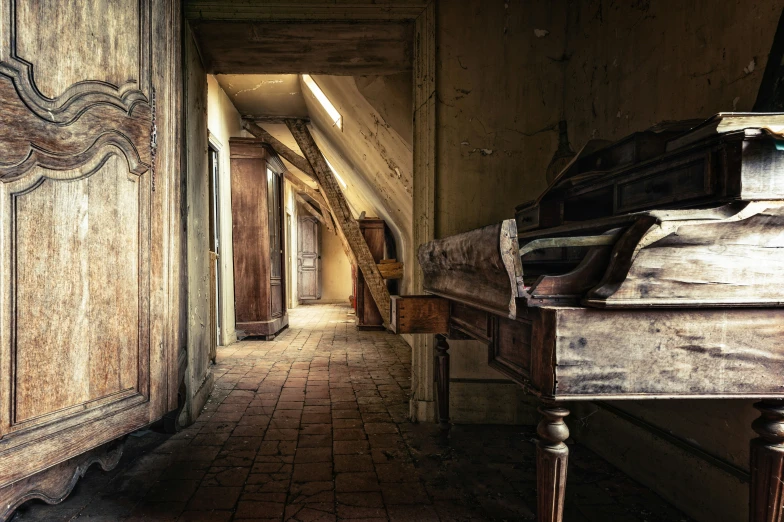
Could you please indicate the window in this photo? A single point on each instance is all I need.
(337, 119)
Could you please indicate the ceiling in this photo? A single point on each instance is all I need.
(268, 95)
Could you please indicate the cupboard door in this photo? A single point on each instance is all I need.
(88, 195)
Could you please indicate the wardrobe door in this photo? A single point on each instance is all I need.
(88, 186)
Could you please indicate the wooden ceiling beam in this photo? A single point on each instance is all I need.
(326, 47)
(343, 216)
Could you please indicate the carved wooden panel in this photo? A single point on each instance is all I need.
(77, 341)
(87, 236)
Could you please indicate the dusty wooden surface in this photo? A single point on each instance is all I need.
(344, 219)
(668, 353)
(733, 261)
(391, 270)
(89, 186)
(480, 267)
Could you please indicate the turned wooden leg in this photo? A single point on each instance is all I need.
(552, 458)
(767, 464)
(442, 380)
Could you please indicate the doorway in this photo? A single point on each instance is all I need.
(215, 250)
(308, 259)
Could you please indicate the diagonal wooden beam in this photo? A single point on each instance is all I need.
(303, 188)
(344, 219)
(311, 210)
(279, 147)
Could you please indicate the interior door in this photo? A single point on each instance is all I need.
(88, 202)
(274, 208)
(308, 259)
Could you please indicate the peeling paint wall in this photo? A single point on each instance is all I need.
(499, 87)
(224, 122)
(198, 375)
(373, 156)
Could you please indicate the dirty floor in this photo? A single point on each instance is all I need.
(312, 427)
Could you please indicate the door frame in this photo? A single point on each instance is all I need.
(425, 127)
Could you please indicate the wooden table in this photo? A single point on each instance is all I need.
(665, 347)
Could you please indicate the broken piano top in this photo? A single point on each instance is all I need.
(685, 214)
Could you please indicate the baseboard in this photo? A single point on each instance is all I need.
(490, 401)
(702, 486)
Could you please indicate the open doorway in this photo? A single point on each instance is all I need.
(397, 52)
(215, 250)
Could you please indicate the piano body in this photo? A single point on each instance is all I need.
(651, 268)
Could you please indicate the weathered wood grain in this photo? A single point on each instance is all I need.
(91, 115)
(419, 314)
(354, 48)
(342, 213)
(729, 262)
(56, 483)
(391, 270)
(481, 267)
(706, 352)
(253, 292)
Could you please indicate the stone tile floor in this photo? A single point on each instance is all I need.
(312, 427)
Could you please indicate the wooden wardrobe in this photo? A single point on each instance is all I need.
(368, 316)
(257, 213)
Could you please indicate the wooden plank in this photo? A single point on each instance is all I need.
(391, 270)
(324, 47)
(279, 147)
(419, 314)
(734, 261)
(304, 10)
(345, 221)
(311, 210)
(628, 354)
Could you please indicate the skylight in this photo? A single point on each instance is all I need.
(337, 119)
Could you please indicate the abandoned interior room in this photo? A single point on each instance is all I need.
(405, 260)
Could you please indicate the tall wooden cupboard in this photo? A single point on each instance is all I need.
(257, 213)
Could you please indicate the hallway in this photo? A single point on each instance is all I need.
(312, 426)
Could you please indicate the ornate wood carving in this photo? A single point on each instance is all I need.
(80, 127)
(767, 464)
(552, 458)
(56, 483)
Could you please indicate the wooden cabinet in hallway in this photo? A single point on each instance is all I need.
(256, 195)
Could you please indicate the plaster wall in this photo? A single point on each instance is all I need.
(336, 284)
(198, 375)
(291, 212)
(500, 96)
(223, 123)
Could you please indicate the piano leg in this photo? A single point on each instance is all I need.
(767, 464)
(552, 459)
(442, 380)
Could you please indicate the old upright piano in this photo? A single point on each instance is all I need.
(651, 268)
